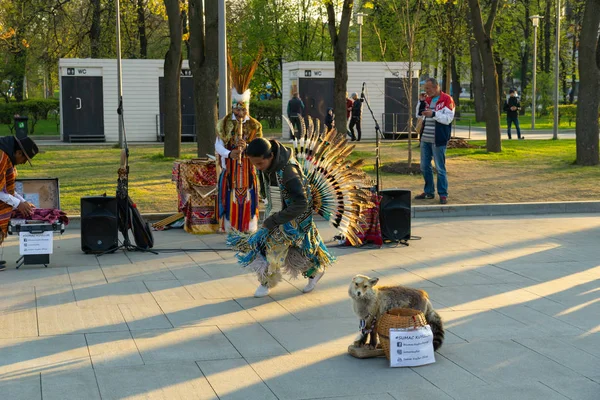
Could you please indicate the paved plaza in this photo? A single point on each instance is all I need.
(520, 297)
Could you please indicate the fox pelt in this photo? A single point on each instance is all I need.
(371, 302)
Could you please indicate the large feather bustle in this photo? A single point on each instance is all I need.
(339, 187)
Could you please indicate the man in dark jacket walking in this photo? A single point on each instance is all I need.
(512, 107)
(295, 111)
(356, 117)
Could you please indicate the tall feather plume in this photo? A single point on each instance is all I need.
(242, 75)
(339, 187)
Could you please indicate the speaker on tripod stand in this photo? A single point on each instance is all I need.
(395, 214)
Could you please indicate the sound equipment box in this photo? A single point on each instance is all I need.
(99, 224)
(395, 214)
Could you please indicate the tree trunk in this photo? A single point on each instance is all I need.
(589, 86)
(500, 77)
(477, 81)
(141, 23)
(484, 42)
(455, 86)
(95, 30)
(574, 64)
(548, 18)
(339, 41)
(172, 124)
(204, 63)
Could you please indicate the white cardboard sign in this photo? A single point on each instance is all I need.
(35, 243)
(411, 347)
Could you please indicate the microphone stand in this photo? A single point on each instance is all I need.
(378, 133)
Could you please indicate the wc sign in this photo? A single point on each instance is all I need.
(72, 71)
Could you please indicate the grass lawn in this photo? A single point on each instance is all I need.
(43, 127)
(546, 122)
(526, 171)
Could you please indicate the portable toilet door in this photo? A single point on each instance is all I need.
(82, 104)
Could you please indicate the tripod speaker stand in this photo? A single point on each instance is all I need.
(126, 218)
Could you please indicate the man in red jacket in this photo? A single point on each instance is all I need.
(439, 113)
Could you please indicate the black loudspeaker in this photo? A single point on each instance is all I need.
(99, 224)
(395, 213)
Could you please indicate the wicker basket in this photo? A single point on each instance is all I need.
(395, 319)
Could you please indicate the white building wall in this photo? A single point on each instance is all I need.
(372, 73)
(140, 95)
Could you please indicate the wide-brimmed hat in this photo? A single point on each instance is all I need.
(28, 147)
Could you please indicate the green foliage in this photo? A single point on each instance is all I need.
(568, 111)
(35, 109)
(467, 105)
(545, 90)
(269, 110)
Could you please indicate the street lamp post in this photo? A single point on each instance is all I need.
(556, 80)
(535, 19)
(223, 86)
(359, 21)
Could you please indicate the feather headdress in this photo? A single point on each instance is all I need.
(240, 80)
(340, 188)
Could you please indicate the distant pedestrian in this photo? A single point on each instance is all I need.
(295, 111)
(330, 119)
(512, 107)
(356, 117)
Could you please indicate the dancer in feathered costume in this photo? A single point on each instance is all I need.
(317, 179)
(238, 185)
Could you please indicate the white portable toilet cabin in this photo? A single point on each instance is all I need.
(89, 100)
(385, 92)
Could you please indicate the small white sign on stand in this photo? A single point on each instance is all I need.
(411, 347)
(35, 243)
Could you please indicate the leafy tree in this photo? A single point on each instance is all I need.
(339, 41)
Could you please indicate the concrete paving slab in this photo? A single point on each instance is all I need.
(54, 296)
(478, 297)
(144, 317)
(205, 312)
(134, 292)
(235, 379)
(330, 374)
(314, 335)
(87, 276)
(71, 318)
(565, 354)
(505, 362)
(265, 309)
(17, 298)
(181, 380)
(113, 349)
(29, 276)
(18, 323)
(401, 276)
(252, 340)
(27, 356)
(224, 288)
(185, 344)
(26, 387)
(590, 343)
(574, 389)
(513, 391)
(370, 396)
(171, 290)
(190, 272)
(137, 272)
(70, 385)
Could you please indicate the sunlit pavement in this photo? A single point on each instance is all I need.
(520, 297)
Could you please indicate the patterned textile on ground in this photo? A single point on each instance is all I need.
(339, 186)
(293, 248)
(8, 174)
(371, 228)
(196, 191)
(43, 214)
